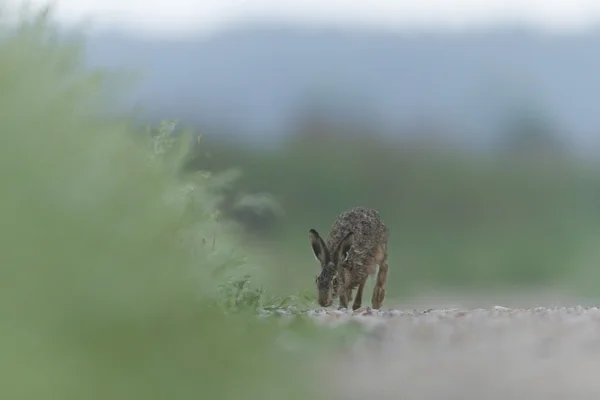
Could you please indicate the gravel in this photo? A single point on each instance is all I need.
(492, 353)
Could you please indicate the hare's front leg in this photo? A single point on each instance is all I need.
(358, 298)
(379, 290)
(344, 299)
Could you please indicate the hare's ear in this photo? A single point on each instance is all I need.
(344, 247)
(319, 247)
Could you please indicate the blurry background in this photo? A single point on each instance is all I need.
(472, 127)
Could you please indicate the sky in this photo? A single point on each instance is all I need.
(183, 17)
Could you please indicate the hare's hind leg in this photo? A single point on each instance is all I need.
(379, 290)
(381, 282)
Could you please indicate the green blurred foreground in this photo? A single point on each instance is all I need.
(117, 280)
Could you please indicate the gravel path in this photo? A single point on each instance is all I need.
(467, 354)
(494, 353)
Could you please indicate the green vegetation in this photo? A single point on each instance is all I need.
(518, 218)
(118, 276)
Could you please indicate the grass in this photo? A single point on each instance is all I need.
(119, 277)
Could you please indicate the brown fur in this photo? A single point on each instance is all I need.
(357, 242)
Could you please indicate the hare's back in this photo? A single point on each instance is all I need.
(369, 230)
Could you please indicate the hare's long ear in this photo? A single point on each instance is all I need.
(319, 247)
(341, 252)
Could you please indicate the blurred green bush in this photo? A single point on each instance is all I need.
(117, 272)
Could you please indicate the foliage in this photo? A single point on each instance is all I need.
(203, 194)
(111, 258)
(458, 219)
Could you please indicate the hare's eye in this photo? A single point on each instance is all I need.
(334, 281)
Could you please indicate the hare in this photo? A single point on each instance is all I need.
(356, 243)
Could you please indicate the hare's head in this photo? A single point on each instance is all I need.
(328, 281)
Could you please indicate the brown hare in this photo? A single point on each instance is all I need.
(356, 243)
